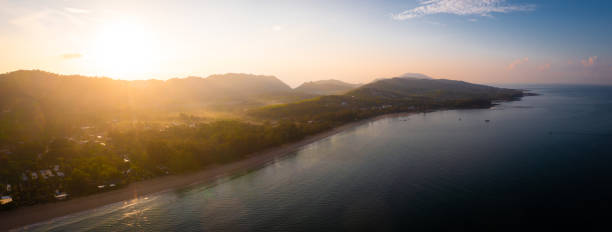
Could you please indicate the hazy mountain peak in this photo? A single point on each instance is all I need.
(415, 75)
(326, 87)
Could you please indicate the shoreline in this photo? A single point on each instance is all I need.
(15, 219)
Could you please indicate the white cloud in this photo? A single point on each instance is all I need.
(517, 62)
(461, 7)
(589, 62)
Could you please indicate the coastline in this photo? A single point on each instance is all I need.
(15, 219)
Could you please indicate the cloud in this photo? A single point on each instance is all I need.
(42, 21)
(33, 20)
(76, 10)
(69, 56)
(461, 7)
(436, 23)
(544, 67)
(517, 62)
(589, 62)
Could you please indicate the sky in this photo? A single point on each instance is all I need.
(482, 41)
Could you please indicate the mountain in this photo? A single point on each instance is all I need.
(80, 91)
(33, 101)
(389, 96)
(325, 87)
(438, 89)
(228, 86)
(232, 89)
(415, 76)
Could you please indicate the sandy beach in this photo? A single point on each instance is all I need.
(14, 219)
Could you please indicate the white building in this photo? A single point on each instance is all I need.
(5, 200)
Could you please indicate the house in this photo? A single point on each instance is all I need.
(34, 175)
(43, 174)
(8, 187)
(24, 177)
(48, 173)
(5, 200)
(56, 168)
(60, 195)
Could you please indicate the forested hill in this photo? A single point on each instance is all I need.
(326, 87)
(388, 96)
(37, 102)
(53, 93)
(85, 92)
(438, 89)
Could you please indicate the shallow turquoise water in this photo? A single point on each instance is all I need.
(540, 163)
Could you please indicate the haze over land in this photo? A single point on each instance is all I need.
(298, 41)
(100, 131)
(103, 101)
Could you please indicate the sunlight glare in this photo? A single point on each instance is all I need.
(124, 49)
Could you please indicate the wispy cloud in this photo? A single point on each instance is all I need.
(544, 67)
(461, 7)
(517, 62)
(436, 23)
(589, 62)
(41, 19)
(69, 56)
(76, 10)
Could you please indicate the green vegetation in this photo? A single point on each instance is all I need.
(388, 96)
(134, 153)
(80, 135)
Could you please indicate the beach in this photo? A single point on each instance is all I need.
(24, 216)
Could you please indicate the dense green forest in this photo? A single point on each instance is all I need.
(79, 135)
(134, 153)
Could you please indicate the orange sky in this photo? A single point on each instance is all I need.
(295, 41)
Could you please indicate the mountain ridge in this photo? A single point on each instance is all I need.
(326, 87)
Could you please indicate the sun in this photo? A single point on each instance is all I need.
(124, 50)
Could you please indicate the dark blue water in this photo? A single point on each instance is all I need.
(541, 163)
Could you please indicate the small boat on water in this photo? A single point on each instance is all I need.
(487, 120)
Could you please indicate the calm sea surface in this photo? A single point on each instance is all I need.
(540, 163)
